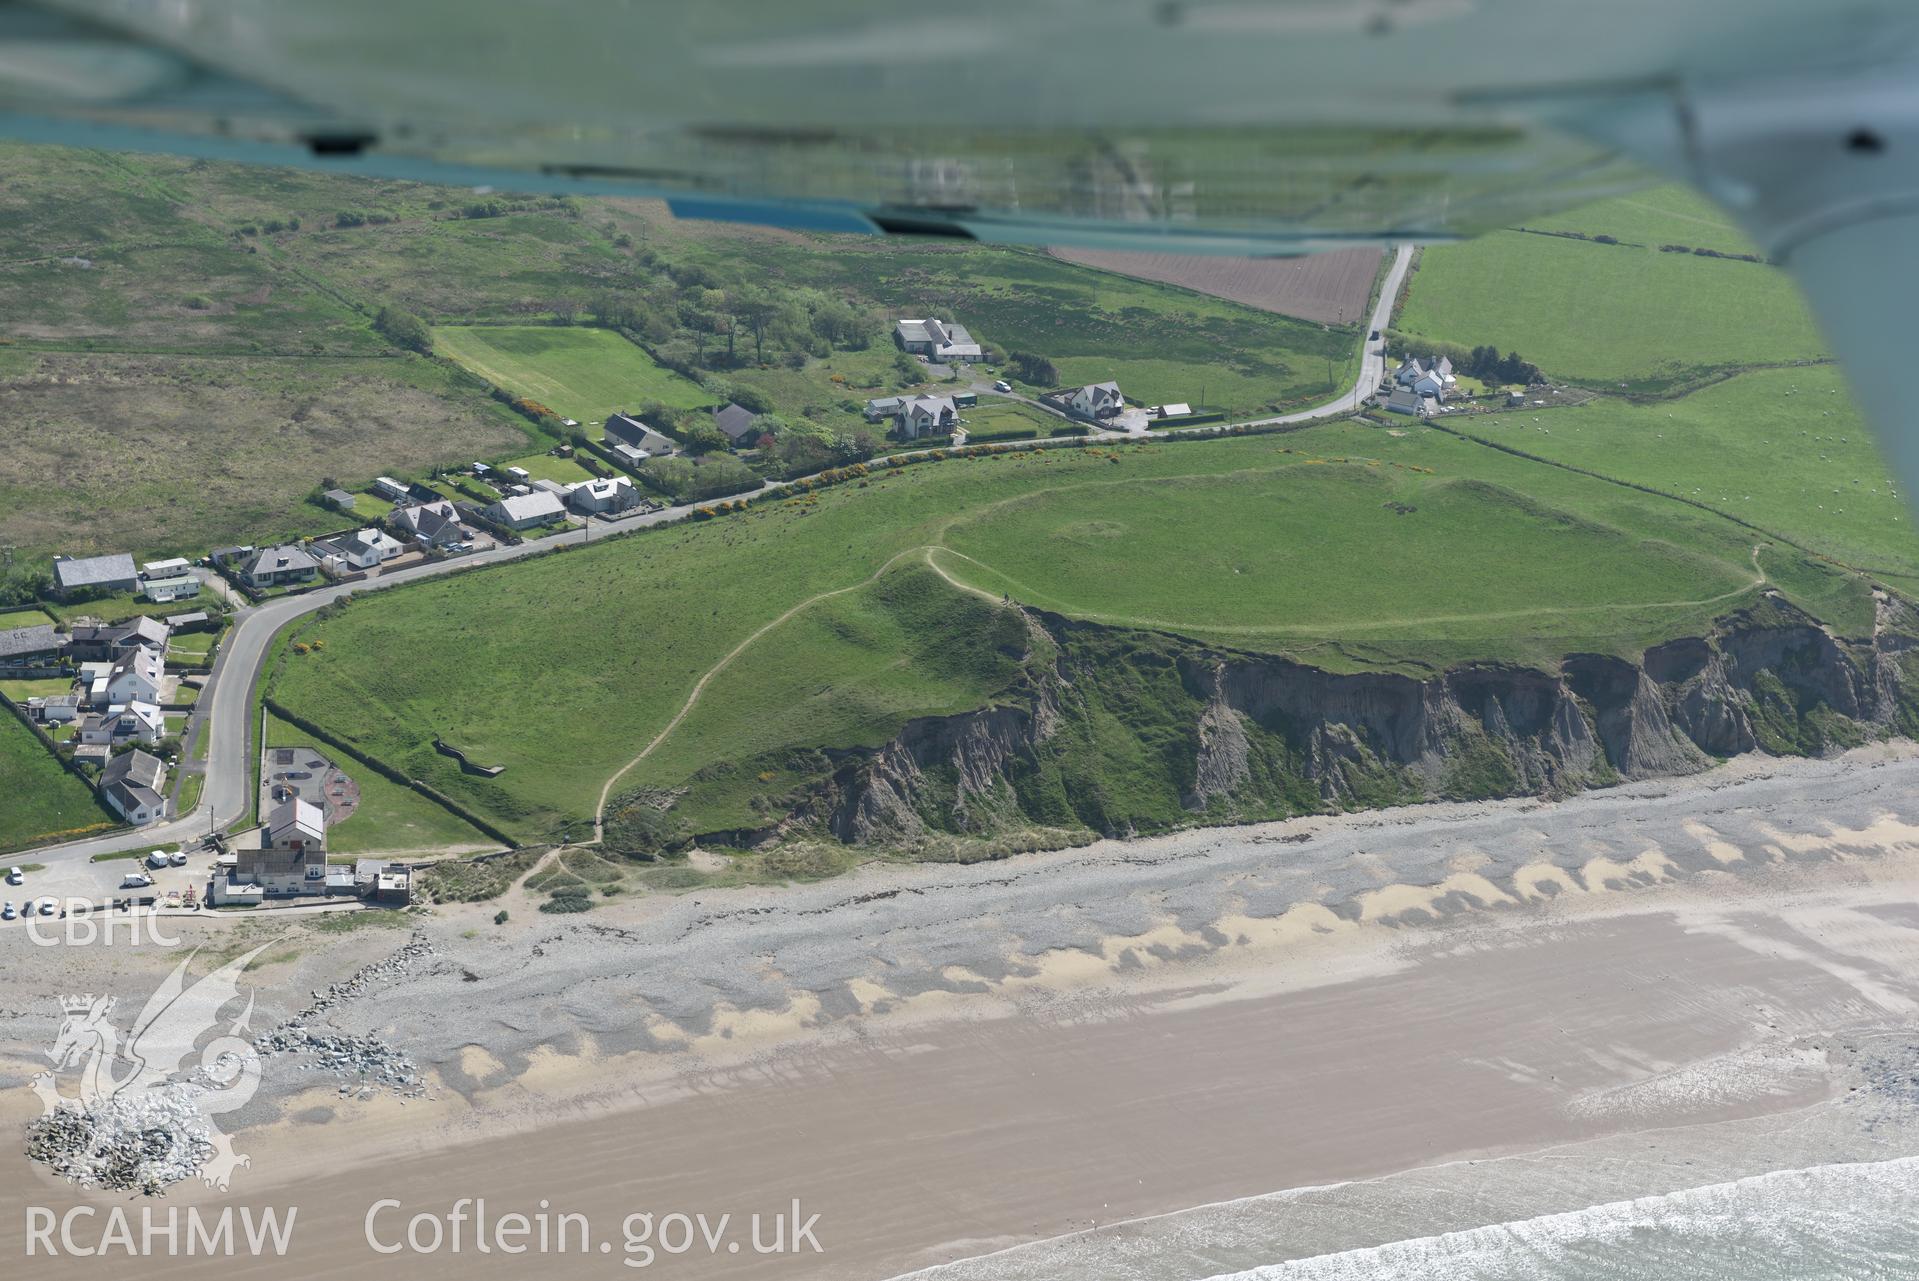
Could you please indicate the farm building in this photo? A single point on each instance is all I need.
(942, 340)
(105, 574)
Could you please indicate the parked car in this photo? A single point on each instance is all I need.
(6, 911)
(135, 881)
(48, 907)
(15, 876)
(1003, 385)
(1373, 334)
(157, 859)
(177, 859)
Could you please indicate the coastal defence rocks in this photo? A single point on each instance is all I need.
(1125, 732)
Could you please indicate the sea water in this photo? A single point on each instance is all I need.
(1840, 1222)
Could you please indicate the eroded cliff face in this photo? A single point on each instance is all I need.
(1128, 732)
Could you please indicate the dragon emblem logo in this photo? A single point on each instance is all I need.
(147, 1104)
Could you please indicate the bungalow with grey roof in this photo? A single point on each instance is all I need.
(105, 574)
(738, 424)
(134, 784)
(527, 511)
(430, 526)
(624, 429)
(277, 566)
(28, 649)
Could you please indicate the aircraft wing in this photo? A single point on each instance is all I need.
(1234, 126)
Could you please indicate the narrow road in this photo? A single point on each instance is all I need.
(227, 700)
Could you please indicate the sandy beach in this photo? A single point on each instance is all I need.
(1085, 1063)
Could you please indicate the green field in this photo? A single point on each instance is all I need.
(390, 819)
(1602, 315)
(1346, 545)
(1782, 448)
(44, 802)
(584, 374)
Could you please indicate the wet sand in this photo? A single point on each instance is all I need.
(1729, 990)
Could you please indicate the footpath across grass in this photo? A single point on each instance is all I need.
(1347, 546)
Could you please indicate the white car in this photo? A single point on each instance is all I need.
(177, 859)
(1002, 385)
(6, 911)
(135, 881)
(48, 907)
(15, 876)
(157, 859)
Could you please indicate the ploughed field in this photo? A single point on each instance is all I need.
(732, 657)
(1330, 287)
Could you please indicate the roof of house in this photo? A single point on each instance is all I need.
(735, 421)
(143, 660)
(426, 519)
(167, 568)
(600, 486)
(296, 818)
(286, 559)
(931, 405)
(145, 630)
(30, 640)
(183, 620)
(136, 768)
(1100, 393)
(531, 506)
(367, 540)
(87, 571)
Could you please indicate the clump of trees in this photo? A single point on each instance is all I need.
(403, 329)
(1036, 370)
(1486, 364)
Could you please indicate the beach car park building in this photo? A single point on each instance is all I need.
(107, 575)
(945, 341)
(286, 855)
(527, 511)
(134, 784)
(624, 429)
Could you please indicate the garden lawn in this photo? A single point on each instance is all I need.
(1347, 546)
(547, 467)
(584, 374)
(390, 819)
(44, 802)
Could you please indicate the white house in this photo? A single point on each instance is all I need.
(177, 587)
(919, 416)
(602, 494)
(135, 677)
(137, 721)
(389, 488)
(134, 783)
(527, 511)
(943, 340)
(368, 547)
(1435, 379)
(1096, 400)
